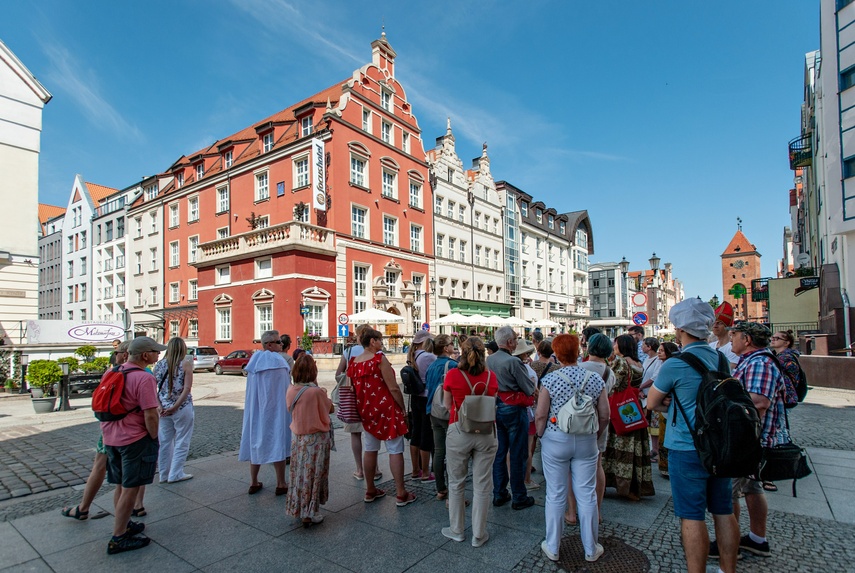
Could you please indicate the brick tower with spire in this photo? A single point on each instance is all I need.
(740, 264)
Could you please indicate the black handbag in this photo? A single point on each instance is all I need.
(783, 462)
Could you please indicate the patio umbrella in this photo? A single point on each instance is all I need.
(375, 316)
(516, 321)
(476, 320)
(451, 320)
(495, 321)
(545, 323)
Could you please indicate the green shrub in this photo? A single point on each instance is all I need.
(89, 367)
(102, 362)
(73, 363)
(10, 384)
(44, 374)
(86, 352)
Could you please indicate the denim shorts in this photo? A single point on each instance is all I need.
(133, 465)
(693, 490)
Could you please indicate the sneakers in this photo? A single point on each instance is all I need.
(527, 502)
(479, 541)
(502, 499)
(549, 554)
(597, 554)
(447, 532)
(126, 542)
(714, 554)
(761, 549)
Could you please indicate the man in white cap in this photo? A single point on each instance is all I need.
(693, 489)
(131, 442)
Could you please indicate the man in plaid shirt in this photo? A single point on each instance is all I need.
(765, 384)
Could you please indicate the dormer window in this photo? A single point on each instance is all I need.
(306, 127)
(267, 142)
(200, 171)
(228, 159)
(179, 179)
(386, 100)
(538, 214)
(551, 222)
(524, 209)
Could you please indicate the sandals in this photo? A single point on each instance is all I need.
(369, 497)
(281, 490)
(408, 498)
(79, 515)
(253, 489)
(141, 512)
(769, 486)
(377, 476)
(441, 495)
(654, 458)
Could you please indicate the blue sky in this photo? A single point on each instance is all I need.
(665, 120)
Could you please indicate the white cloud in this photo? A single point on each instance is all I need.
(82, 87)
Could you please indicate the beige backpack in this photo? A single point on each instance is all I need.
(477, 413)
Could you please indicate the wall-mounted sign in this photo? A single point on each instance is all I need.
(319, 185)
(65, 331)
(640, 318)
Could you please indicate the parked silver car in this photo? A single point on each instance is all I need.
(204, 357)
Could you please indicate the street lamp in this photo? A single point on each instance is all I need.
(64, 406)
(654, 266)
(624, 268)
(432, 294)
(25, 359)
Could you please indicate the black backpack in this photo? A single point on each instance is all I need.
(413, 383)
(801, 383)
(727, 426)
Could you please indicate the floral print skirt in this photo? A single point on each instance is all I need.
(627, 464)
(309, 474)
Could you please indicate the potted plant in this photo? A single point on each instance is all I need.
(43, 374)
(10, 385)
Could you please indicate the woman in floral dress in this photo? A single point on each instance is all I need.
(381, 407)
(627, 458)
(310, 409)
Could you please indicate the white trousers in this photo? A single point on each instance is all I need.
(562, 454)
(460, 446)
(174, 434)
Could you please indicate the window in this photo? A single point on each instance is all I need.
(496, 260)
(357, 221)
(453, 288)
(179, 179)
(200, 171)
(405, 142)
(390, 231)
(462, 251)
(849, 168)
(357, 171)
(108, 231)
(437, 205)
(389, 184)
(224, 324)
(477, 222)
(847, 78)
(415, 238)
(153, 217)
(192, 289)
(477, 254)
(386, 132)
(83, 313)
(70, 244)
(192, 209)
(222, 232)
(386, 100)
(153, 253)
(193, 328)
(264, 269)
(138, 298)
(82, 292)
(267, 142)
(524, 209)
(315, 322)
(366, 120)
(415, 195)
(262, 222)
(138, 262)
(440, 239)
(538, 214)
(223, 275)
(71, 294)
(173, 292)
(82, 239)
(301, 172)
(228, 159)
(222, 199)
(451, 208)
(192, 248)
(452, 243)
(152, 301)
(461, 213)
(138, 225)
(306, 127)
(174, 254)
(120, 230)
(83, 265)
(550, 222)
(151, 192)
(392, 284)
(263, 318)
(262, 186)
(70, 269)
(360, 288)
(562, 227)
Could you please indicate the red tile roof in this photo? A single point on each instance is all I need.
(739, 244)
(48, 212)
(99, 192)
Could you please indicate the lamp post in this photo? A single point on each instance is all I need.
(654, 266)
(64, 406)
(624, 268)
(433, 300)
(25, 359)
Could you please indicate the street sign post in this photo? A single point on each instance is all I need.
(640, 318)
(343, 330)
(639, 299)
(426, 327)
(342, 318)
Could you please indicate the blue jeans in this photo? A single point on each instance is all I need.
(512, 432)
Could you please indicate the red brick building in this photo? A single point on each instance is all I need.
(319, 207)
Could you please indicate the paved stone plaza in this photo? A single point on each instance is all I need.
(210, 524)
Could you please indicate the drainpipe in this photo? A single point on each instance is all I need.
(846, 334)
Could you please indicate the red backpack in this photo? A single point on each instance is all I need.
(106, 398)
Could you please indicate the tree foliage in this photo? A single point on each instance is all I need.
(44, 374)
(86, 352)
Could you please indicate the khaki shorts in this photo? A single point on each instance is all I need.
(746, 486)
(355, 428)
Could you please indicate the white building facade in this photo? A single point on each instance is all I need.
(109, 239)
(23, 98)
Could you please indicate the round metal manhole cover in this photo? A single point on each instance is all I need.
(618, 557)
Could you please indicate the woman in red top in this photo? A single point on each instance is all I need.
(460, 446)
(381, 407)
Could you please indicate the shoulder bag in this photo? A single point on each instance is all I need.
(625, 410)
(437, 407)
(783, 462)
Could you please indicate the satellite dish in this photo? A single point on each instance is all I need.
(803, 259)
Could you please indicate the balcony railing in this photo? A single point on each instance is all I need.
(290, 236)
(801, 154)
